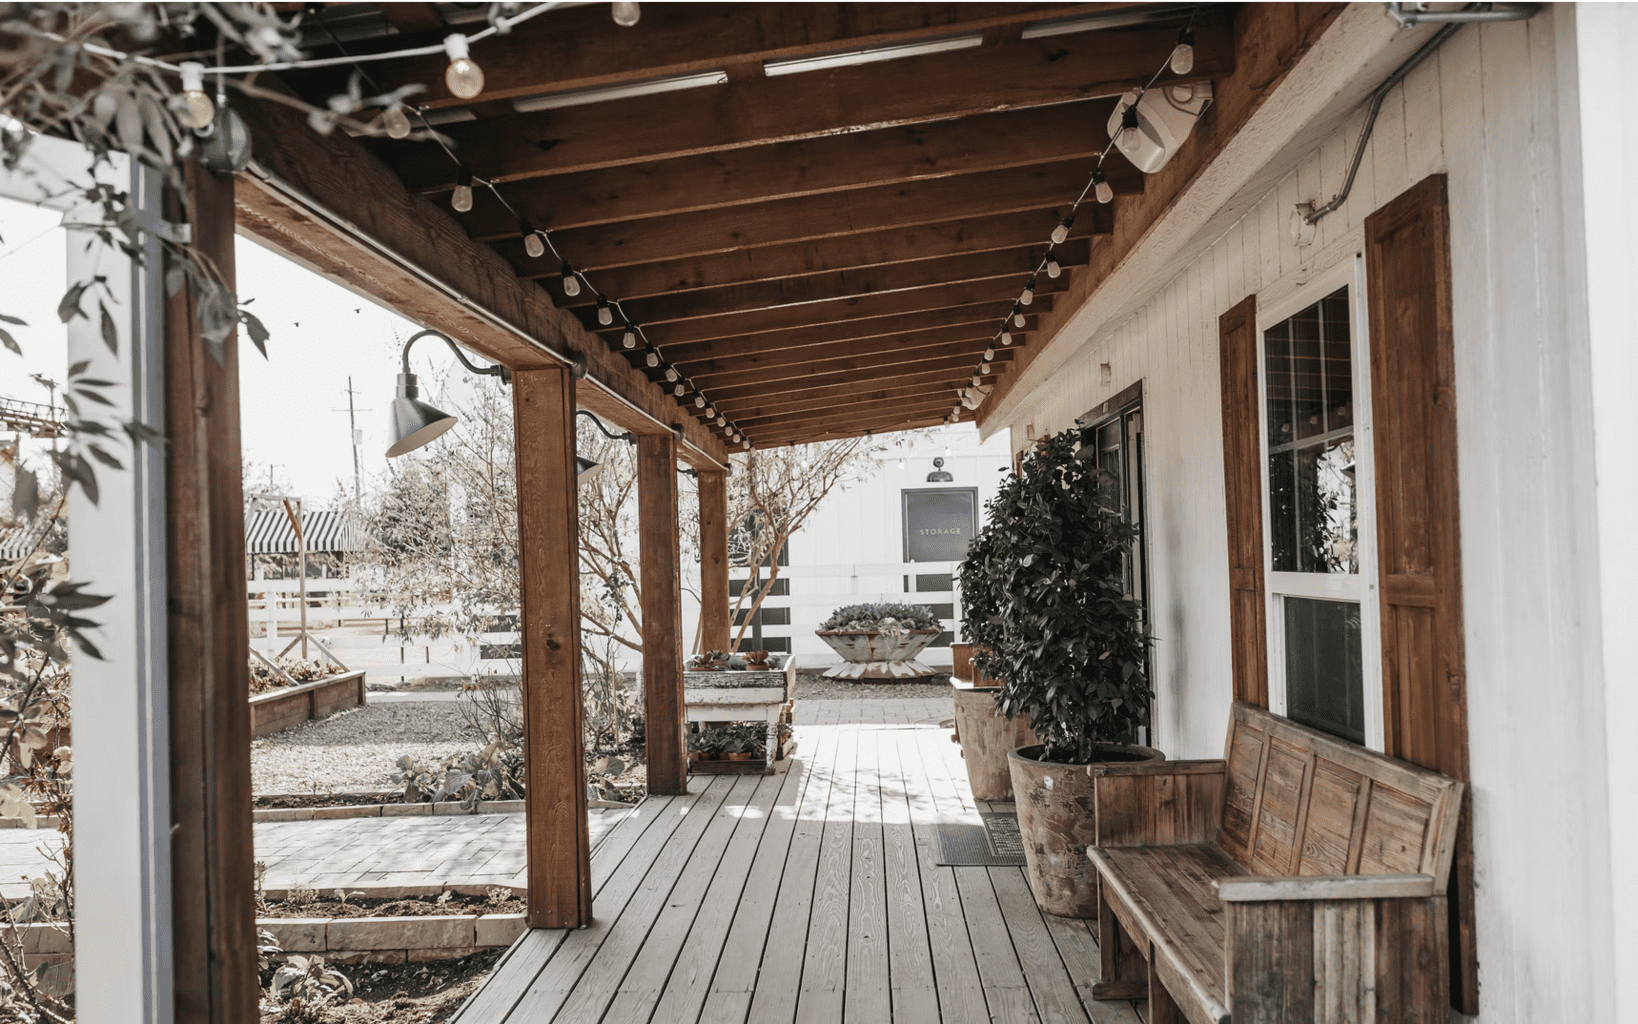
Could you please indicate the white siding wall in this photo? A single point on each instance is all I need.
(1486, 109)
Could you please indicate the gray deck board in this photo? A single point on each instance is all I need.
(807, 897)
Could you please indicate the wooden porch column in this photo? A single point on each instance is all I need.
(715, 625)
(559, 848)
(662, 614)
(209, 633)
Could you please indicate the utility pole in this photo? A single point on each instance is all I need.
(352, 424)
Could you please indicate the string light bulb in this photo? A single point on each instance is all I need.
(653, 359)
(531, 239)
(626, 14)
(1052, 268)
(1129, 137)
(461, 200)
(699, 401)
(989, 353)
(1101, 190)
(1183, 52)
(605, 315)
(680, 389)
(987, 368)
(746, 444)
(722, 421)
(1006, 339)
(197, 108)
(395, 122)
(628, 340)
(1029, 293)
(671, 373)
(571, 281)
(464, 78)
(1018, 317)
(975, 380)
(1061, 232)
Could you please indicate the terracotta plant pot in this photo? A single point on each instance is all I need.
(879, 655)
(1056, 817)
(986, 740)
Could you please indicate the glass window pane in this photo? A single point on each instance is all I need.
(1277, 374)
(1312, 499)
(1339, 367)
(1324, 666)
(1307, 375)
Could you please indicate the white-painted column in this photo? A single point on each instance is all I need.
(1606, 37)
(122, 877)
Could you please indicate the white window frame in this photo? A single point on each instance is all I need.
(1360, 586)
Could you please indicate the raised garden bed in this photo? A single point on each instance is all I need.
(394, 925)
(286, 707)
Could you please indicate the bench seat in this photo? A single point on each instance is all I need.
(1299, 879)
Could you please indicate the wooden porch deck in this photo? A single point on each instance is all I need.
(807, 897)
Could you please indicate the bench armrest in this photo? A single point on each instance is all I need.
(1267, 889)
(1158, 803)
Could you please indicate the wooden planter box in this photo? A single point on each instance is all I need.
(286, 707)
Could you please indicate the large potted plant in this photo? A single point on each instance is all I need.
(880, 641)
(1049, 614)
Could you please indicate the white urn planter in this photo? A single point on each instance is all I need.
(875, 655)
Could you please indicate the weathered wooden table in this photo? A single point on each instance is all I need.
(742, 696)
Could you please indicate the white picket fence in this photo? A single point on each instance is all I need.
(365, 636)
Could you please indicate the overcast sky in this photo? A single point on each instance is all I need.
(293, 403)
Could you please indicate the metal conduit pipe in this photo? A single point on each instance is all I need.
(1451, 21)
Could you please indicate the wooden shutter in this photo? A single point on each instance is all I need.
(1243, 487)
(1413, 416)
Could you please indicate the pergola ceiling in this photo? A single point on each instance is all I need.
(820, 252)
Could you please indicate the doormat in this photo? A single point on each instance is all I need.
(995, 844)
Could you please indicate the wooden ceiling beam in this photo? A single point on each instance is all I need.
(642, 129)
(827, 255)
(953, 371)
(985, 142)
(580, 48)
(972, 335)
(996, 295)
(1018, 190)
(980, 318)
(815, 434)
(331, 206)
(746, 413)
(903, 361)
(852, 416)
(1018, 265)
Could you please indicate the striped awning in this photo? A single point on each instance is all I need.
(17, 542)
(270, 533)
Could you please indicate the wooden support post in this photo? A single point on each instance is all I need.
(715, 628)
(662, 614)
(212, 851)
(559, 847)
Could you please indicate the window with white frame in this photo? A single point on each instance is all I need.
(1318, 511)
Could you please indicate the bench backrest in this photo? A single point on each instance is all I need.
(1299, 802)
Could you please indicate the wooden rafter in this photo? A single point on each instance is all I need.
(905, 361)
(879, 397)
(826, 255)
(642, 129)
(1016, 264)
(953, 373)
(982, 319)
(579, 48)
(970, 338)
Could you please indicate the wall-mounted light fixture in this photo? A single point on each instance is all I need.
(939, 475)
(413, 423)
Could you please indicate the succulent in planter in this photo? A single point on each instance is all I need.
(880, 641)
(1046, 604)
(1047, 609)
(880, 618)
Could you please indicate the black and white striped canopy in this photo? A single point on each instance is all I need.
(270, 533)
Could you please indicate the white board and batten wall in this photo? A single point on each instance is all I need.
(1506, 111)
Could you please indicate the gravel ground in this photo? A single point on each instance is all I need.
(814, 686)
(357, 749)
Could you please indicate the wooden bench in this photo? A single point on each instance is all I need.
(1300, 879)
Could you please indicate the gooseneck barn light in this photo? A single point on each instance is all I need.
(413, 423)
